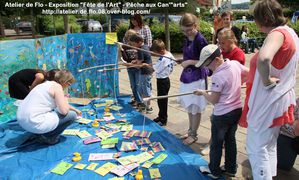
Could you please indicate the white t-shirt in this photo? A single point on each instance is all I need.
(227, 80)
(36, 113)
(164, 66)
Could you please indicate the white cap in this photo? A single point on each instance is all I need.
(208, 54)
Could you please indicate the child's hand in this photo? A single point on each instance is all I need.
(185, 64)
(144, 64)
(134, 61)
(179, 61)
(198, 92)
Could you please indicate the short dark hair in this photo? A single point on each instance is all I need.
(227, 13)
(268, 13)
(136, 38)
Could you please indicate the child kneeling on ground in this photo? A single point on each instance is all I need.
(225, 94)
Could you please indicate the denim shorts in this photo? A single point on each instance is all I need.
(145, 85)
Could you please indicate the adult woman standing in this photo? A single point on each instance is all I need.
(45, 110)
(270, 95)
(136, 23)
(192, 78)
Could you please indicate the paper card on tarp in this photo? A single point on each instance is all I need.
(83, 134)
(147, 164)
(155, 173)
(128, 146)
(127, 160)
(109, 141)
(145, 156)
(83, 121)
(100, 156)
(159, 159)
(116, 108)
(61, 168)
(103, 134)
(70, 132)
(105, 169)
(92, 166)
(122, 170)
(80, 166)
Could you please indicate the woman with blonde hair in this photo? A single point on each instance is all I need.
(192, 78)
(45, 110)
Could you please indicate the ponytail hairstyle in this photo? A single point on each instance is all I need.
(268, 13)
(64, 77)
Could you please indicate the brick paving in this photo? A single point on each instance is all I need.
(178, 123)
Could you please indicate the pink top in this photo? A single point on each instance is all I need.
(227, 80)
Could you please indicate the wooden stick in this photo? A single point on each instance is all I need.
(100, 66)
(174, 95)
(111, 69)
(167, 96)
(151, 52)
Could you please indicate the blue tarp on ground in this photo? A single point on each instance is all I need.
(22, 158)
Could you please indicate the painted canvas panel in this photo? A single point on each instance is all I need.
(51, 52)
(87, 50)
(14, 56)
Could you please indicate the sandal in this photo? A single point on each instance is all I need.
(190, 140)
(184, 136)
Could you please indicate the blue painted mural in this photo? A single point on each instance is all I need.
(87, 50)
(72, 52)
(14, 56)
(51, 52)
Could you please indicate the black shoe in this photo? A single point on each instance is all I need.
(162, 123)
(157, 119)
(132, 102)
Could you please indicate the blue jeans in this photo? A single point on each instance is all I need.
(145, 85)
(64, 122)
(223, 131)
(134, 77)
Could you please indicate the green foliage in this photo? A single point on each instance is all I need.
(295, 27)
(46, 24)
(177, 38)
(253, 32)
(240, 14)
(121, 30)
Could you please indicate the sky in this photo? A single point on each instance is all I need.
(239, 1)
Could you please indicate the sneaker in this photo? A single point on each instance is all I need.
(132, 102)
(206, 170)
(161, 123)
(134, 105)
(206, 150)
(141, 107)
(227, 173)
(149, 110)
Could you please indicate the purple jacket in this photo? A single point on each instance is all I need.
(191, 50)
